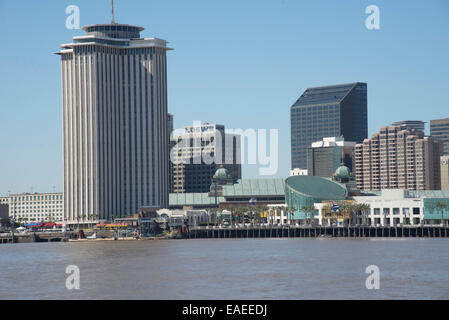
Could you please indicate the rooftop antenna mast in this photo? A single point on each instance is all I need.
(112, 12)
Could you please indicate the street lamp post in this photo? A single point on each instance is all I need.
(12, 220)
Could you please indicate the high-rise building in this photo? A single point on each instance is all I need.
(397, 158)
(171, 144)
(439, 129)
(197, 154)
(330, 111)
(410, 124)
(4, 209)
(325, 156)
(115, 136)
(170, 123)
(445, 173)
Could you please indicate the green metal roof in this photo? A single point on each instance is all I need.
(255, 187)
(221, 173)
(242, 188)
(317, 187)
(343, 172)
(192, 199)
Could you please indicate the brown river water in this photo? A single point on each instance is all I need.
(227, 269)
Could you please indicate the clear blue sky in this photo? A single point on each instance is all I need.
(241, 63)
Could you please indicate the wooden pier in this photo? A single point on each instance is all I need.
(33, 237)
(348, 232)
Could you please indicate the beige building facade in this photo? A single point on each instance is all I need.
(445, 173)
(397, 158)
(35, 207)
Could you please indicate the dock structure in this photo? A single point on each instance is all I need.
(349, 232)
(33, 237)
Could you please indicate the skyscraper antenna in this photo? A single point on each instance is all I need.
(112, 11)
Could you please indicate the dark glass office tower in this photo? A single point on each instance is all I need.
(330, 111)
(439, 129)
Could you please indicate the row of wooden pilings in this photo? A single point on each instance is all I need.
(32, 237)
(7, 239)
(318, 231)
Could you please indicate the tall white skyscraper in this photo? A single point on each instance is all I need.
(115, 136)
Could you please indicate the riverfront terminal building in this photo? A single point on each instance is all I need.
(115, 135)
(388, 207)
(242, 193)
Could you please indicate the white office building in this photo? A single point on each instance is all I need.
(35, 207)
(299, 172)
(395, 207)
(115, 136)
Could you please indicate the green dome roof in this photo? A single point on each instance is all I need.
(343, 172)
(221, 173)
(316, 187)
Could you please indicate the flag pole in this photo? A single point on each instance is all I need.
(112, 11)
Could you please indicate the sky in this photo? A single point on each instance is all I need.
(240, 63)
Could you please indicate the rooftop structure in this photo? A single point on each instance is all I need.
(417, 125)
(263, 191)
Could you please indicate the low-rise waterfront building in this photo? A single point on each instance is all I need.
(391, 207)
(244, 192)
(178, 218)
(303, 192)
(335, 201)
(278, 214)
(34, 207)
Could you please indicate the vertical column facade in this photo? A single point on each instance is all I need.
(115, 136)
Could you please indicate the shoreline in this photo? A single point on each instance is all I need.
(119, 239)
(279, 238)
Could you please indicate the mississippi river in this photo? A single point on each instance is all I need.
(227, 269)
